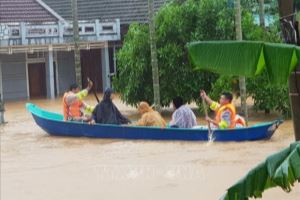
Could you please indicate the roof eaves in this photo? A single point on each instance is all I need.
(55, 14)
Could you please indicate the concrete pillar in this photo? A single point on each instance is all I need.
(60, 32)
(118, 29)
(23, 34)
(105, 67)
(97, 29)
(51, 75)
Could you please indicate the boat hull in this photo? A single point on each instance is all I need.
(53, 124)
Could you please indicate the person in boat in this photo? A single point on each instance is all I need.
(149, 116)
(74, 108)
(183, 117)
(226, 116)
(106, 112)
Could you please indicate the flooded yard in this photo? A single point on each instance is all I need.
(37, 166)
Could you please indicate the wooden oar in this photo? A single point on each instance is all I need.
(94, 91)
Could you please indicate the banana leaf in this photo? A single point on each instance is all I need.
(228, 58)
(245, 58)
(281, 169)
(281, 59)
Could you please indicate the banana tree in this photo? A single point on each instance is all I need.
(281, 169)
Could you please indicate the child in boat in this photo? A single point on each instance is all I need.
(226, 116)
(106, 112)
(149, 117)
(74, 108)
(183, 117)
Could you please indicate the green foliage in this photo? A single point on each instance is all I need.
(259, 87)
(278, 170)
(224, 84)
(268, 97)
(176, 24)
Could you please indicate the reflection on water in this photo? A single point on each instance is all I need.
(35, 165)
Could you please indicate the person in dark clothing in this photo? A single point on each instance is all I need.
(106, 112)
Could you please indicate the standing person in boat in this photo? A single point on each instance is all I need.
(149, 117)
(226, 116)
(183, 117)
(106, 112)
(74, 108)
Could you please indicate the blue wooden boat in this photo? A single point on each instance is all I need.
(54, 124)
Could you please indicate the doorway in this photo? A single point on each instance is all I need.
(37, 80)
(91, 67)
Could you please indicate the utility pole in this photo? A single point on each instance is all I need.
(242, 79)
(154, 62)
(1, 110)
(76, 43)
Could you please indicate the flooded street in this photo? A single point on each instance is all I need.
(37, 166)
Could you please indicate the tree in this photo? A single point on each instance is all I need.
(242, 79)
(76, 43)
(176, 23)
(261, 13)
(154, 62)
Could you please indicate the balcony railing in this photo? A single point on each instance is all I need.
(51, 34)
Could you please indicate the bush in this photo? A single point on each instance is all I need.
(269, 97)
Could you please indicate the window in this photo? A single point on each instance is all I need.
(89, 29)
(108, 28)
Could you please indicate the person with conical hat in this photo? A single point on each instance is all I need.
(149, 116)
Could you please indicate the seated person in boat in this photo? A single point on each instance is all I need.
(74, 107)
(183, 117)
(106, 112)
(149, 117)
(226, 116)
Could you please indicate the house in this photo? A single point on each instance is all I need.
(36, 43)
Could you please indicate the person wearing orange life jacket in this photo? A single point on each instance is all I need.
(226, 116)
(74, 108)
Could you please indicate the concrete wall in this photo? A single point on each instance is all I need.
(14, 81)
(66, 70)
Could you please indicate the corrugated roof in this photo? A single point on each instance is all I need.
(127, 11)
(24, 11)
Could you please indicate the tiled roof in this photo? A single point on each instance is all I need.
(24, 11)
(127, 11)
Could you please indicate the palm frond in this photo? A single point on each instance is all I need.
(281, 169)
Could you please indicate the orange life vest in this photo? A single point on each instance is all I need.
(240, 121)
(72, 110)
(231, 108)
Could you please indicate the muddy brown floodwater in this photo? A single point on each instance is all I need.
(37, 166)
